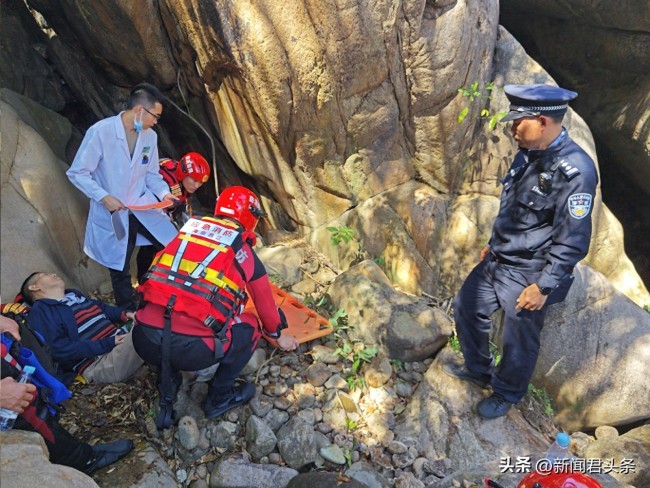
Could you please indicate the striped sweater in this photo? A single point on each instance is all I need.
(77, 329)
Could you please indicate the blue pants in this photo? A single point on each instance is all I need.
(488, 287)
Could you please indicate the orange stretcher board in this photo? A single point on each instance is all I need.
(162, 204)
(302, 322)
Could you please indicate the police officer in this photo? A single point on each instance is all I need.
(193, 299)
(542, 230)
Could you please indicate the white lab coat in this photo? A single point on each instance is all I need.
(103, 167)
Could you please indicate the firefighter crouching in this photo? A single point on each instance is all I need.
(192, 299)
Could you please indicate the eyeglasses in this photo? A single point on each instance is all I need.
(157, 116)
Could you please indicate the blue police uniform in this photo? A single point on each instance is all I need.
(542, 230)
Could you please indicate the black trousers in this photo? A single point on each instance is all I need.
(488, 287)
(64, 448)
(125, 296)
(144, 259)
(189, 353)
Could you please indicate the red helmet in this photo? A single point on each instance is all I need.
(558, 480)
(241, 204)
(194, 165)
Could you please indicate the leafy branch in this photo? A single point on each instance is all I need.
(473, 93)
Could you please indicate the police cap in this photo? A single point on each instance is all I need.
(535, 100)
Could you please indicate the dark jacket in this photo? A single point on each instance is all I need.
(56, 322)
(544, 222)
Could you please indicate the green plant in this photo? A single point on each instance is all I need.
(397, 364)
(496, 354)
(276, 279)
(542, 396)
(357, 354)
(454, 343)
(355, 381)
(472, 93)
(344, 350)
(341, 233)
(347, 454)
(339, 321)
(646, 308)
(350, 424)
(362, 356)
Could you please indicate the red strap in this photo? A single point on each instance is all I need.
(39, 425)
(9, 358)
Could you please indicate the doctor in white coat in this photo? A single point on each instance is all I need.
(117, 166)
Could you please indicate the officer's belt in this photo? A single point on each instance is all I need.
(209, 275)
(523, 266)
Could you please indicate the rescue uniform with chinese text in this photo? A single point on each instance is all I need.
(541, 232)
(197, 287)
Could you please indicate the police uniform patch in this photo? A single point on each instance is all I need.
(579, 205)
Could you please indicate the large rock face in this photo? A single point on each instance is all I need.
(441, 418)
(43, 215)
(607, 63)
(343, 104)
(595, 352)
(24, 461)
(338, 118)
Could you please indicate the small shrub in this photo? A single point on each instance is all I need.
(340, 234)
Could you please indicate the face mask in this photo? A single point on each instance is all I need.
(137, 125)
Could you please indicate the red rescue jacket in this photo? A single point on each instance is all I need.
(168, 172)
(208, 268)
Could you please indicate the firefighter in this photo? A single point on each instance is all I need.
(183, 177)
(193, 296)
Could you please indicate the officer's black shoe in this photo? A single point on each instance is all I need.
(493, 407)
(106, 454)
(461, 372)
(238, 395)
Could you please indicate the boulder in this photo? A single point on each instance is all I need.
(43, 216)
(322, 480)
(628, 455)
(595, 348)
(614, 90)
(403, 326)
(441, 417)
(365, 473)
(410, 214)
(297, 443)
(260, 439)
(146, 469)
(283, 261)
(24, 461)
(236, 473)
